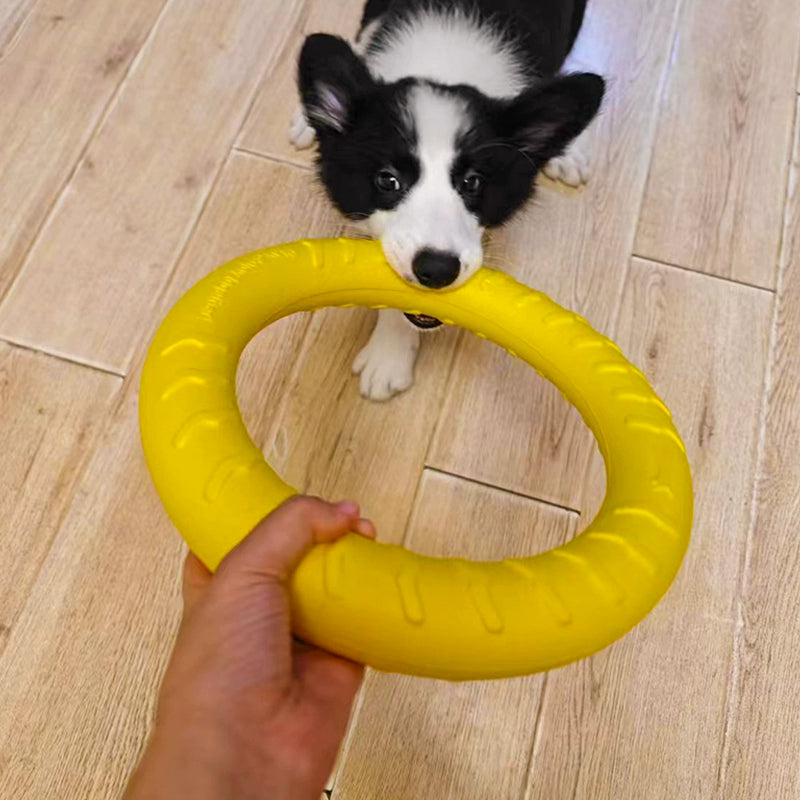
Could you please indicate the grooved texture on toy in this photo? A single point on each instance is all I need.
(380, 604)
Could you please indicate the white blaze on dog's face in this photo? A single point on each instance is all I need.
(431, 237)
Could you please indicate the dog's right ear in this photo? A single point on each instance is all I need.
(331, 77)
(544, 119)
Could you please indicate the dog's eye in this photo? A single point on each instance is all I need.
(471, 184)
(387, 181)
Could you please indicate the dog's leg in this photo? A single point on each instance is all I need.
(570, 168)
(301, 134)
(386, 364)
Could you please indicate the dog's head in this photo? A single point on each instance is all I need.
(429, 167)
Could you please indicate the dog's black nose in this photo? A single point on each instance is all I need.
(435, 269)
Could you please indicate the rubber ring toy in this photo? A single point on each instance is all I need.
(381, 604)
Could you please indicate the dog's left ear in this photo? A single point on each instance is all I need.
(331, 78)
(543, 120)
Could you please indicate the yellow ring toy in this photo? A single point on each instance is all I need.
(381, 604)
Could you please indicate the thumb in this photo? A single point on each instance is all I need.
(196, 579)
(279, 542)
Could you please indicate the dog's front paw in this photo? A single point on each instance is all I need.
(572, 168)
(386, 368)
(301, 134)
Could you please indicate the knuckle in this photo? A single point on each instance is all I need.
(306, 504)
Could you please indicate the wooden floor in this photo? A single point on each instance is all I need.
(141, 147)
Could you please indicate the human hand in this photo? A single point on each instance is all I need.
(244, 711)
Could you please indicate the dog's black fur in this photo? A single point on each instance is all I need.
(432, 129)
(508, 140)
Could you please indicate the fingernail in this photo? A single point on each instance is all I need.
(348, 508)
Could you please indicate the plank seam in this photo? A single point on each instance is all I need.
(246, 151)
(296, 25)
(293, 23)
(74, 360)
(682, 268)
(535, 739)
(514, 493)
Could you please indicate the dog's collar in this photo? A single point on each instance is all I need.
(423, 321)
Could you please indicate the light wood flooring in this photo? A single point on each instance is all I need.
(143, 143)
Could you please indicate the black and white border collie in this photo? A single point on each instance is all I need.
(432, 128)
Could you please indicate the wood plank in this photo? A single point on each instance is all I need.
(502, 424)
(80, 667)
(51, 414)
(56, 80)
(255, 203)
(136, 195)
(714, 200)
(86, 36)
(418, 738)
(267, 128)
(645, 718)
(764, 727)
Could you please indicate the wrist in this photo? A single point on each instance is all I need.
(213, 762)
(183, 763)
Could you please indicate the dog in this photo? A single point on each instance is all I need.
(432, 129)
